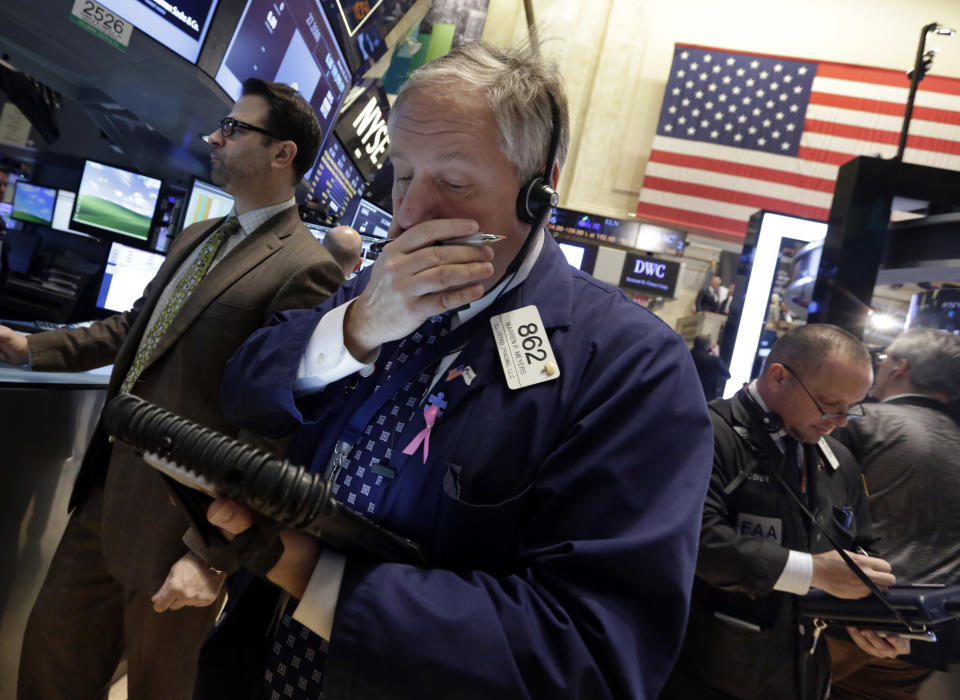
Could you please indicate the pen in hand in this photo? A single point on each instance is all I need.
(472, 239)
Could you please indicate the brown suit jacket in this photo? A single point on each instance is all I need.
(279, 266)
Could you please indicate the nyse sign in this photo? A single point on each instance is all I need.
(651, 276)
(363, 130)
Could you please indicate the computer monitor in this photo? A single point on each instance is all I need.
(115, 204)
(582, 256)
(334, 179)
(205, 201)
(290, 42)
(33, 204)
(180, 26)
(62, 211)
(127, 273)
(371, 220)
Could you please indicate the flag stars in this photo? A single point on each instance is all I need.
(668, 127)
(735, 90)
(718, 115)
(726, 80)
(707, 57)
(761, 141)
(691, 131)
(760, 93)
(741, 72)
(708, 104)
(694, 65)
(681, 73)
(754, 64)
(714, 134)
(775, 134)
(695, 112)
(774, 85)
(672, 109)
(802, 70)
(716, 69)
(767, 123)
(704, 76)
(790, 127)
(705, 123)
(712, 87)
(788, 78)
(731, 61)
(738, 137)
(689, 84)
(784, 146)
(764, 75)
(780, 116)
(685, 55)
(675, 92)
(682, 120)
(750, 82)
(728, 127)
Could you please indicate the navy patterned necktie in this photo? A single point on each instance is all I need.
(295, 670)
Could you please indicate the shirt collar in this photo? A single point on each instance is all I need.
(252, 220)
(755, 395)
(506, 285)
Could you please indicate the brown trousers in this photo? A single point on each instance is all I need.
(84, 620)
(857, 674)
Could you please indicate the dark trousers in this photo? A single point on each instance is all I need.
(857, 674)
(84, 620)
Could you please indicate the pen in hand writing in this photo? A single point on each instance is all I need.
(472, 239)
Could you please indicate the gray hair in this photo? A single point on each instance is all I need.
(807, 347)
(518, 83)
(934, 358)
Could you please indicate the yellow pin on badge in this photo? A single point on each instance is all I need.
(550, 369)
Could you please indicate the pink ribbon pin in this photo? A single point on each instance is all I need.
(429, 417)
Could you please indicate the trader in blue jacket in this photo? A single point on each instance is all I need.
(541, 436)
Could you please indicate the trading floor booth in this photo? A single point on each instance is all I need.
(48, 420)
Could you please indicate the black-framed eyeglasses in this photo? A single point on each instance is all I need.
(852, 412)
(229, 124)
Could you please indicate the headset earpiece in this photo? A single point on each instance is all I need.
(772, 422)
(534, 197)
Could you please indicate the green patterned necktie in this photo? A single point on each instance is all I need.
(181, 292)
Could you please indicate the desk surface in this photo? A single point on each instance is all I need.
(21, 377)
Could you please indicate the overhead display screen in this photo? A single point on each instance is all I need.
(289, 42)
(650, 275)
(334, 180)
(180, 25)
(594, 226)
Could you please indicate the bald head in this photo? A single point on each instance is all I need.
(346, 246)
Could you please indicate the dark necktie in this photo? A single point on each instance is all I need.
(793, 463)
(295, 670)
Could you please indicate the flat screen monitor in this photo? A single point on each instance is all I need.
(362, 27)
(582, 256)
(33, 204)
(180, 25)
(205, 201)
(289, 42)
(371, 220)
(127, 273)
(62, 211)
(116, 204)
(334, 180)
(650, 276)
(6, 212)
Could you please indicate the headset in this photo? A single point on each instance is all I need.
(536, 198)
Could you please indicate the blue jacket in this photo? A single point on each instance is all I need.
(561, 520)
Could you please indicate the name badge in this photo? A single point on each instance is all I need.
(759, 526)
(525, 351)
(828, 454)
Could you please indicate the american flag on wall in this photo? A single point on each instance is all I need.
(740, 132)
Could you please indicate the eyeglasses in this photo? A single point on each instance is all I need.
(229, 124)
(852, 412)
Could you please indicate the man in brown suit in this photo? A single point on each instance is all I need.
(123, 579)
